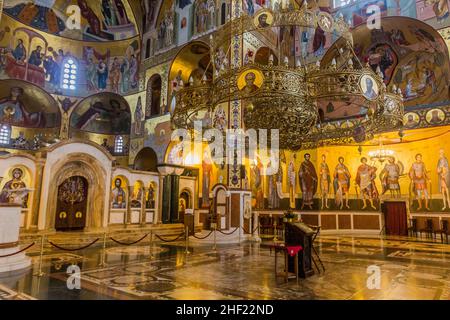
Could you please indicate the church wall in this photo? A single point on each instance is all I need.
(427, 142)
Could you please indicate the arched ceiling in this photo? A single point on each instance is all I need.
(192, 57)
(103, 113)
(25, 105)
(100, 20)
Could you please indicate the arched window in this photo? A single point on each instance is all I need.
(153, 96)
(118, 145)
(69, 74)
(5, 134)
(223, 14)
(147, 49)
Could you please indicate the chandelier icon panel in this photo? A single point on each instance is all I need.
(288, 95)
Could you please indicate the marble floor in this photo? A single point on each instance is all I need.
(410, 269)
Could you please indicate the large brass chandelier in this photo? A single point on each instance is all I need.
(286, 96)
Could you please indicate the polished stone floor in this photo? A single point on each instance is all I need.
(410, 269)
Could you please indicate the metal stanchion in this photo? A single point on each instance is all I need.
(103, 257)
(151, 245)
(275, 230)
(239, 235)
(215, 231)
(40, 273)
(187, 239)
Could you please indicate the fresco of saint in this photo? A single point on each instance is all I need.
(443, 171)
(365, 179)
(308, 181)
(342, 178)
(390, 178)
(15, 185)
(118, 196)
(419, 179)
(325, 181)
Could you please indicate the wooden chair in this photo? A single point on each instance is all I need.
(412, 229)
(279, 230)
(428, 230)
(444, 231)
(266, 225)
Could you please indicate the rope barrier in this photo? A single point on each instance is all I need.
(245, 230)
(203, 238)
(13, 254)
(129, 244)
(164, 240)
(77, 249)
(228, 234)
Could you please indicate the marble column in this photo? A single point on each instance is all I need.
(255, 235)
(158, 216)
(36, 194)
(127, 219)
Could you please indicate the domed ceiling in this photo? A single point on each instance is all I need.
(105, 20)
(410, 54)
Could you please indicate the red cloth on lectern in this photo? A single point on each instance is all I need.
(294, 250)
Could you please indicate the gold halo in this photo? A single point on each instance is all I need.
(269, 20)
(259, 78)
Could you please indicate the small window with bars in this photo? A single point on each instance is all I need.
(5, 134)
(118, 145)
(70, 74)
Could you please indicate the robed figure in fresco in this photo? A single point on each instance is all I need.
(206, 182)
(16, 185)
(292, 180)
(390, 178)
(308, 181)
(365, 180)
(443, 171)
(342, 184)
(325, 182)
(257, 177)
(275, 183)
(14, 112)
(118, 196)
(419, 179)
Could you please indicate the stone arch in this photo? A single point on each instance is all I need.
(77, 158)
(146, 160)
(90, 169)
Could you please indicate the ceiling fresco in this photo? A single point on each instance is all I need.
(105, 20)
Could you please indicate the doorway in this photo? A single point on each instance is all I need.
(72, 203)
(396, 218)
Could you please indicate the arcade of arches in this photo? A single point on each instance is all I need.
(89, 146)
